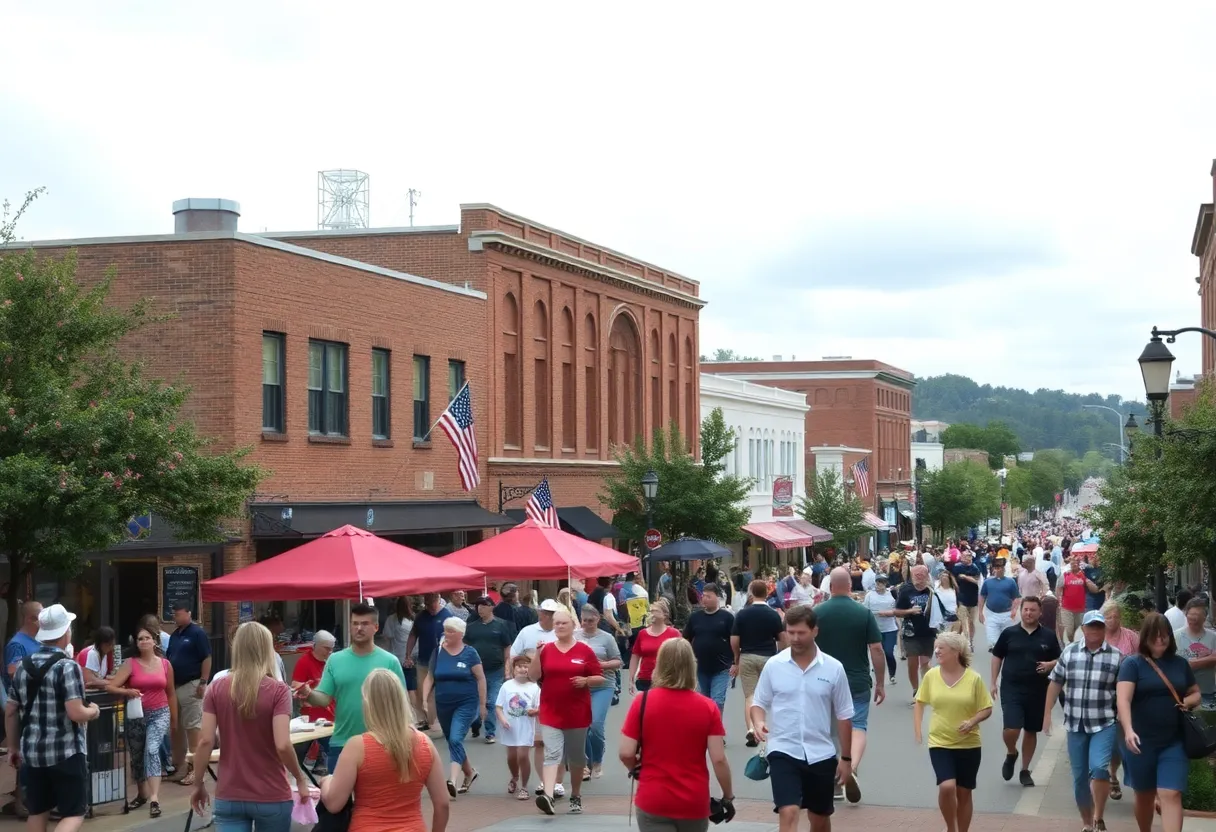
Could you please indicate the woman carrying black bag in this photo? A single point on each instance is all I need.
(672, 778)
(1152, 707)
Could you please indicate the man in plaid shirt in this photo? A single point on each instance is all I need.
(1087, 674)
(47, 710)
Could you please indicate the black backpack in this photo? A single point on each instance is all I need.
(34, 676)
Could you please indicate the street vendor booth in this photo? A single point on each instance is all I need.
(345, 564)
(778, 537)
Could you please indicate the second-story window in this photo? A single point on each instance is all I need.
(327, 398)
(455, 378)
(422, 397)
(380, 394)
(273, 398)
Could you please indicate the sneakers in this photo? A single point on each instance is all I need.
(544, 803)
(576, 806)
(490, 740)
(522, 794)
(852, 789)
(1099, 825)
(1007, 766)
(1024, 778)
(476, 730)
(559, 791)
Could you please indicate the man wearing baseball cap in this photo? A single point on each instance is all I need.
(47, 710)
(1087, 675)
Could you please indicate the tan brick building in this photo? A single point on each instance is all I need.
(331, 355)
(859, 404)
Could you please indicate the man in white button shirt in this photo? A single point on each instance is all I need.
(800, 692)
(534, 635)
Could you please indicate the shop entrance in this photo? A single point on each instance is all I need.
(133, 595)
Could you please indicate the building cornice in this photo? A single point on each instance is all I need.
(822, 375)
(507, 244)
(1203, 230)
(486, 206)
(547, 462)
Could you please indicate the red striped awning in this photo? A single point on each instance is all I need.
(788, 534)
(875, 522)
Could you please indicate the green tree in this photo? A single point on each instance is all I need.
(86, 441)
(959, 496)
(1017, 487)
(694, 500)
(729, 355)
(830, 507)
(996, 438)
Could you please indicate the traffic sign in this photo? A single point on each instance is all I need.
(654, 538)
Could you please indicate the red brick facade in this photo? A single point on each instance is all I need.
(855, 403)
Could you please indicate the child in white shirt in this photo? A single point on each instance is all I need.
(516, 708)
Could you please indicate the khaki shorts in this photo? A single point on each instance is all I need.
(189, 707)
(750, 666)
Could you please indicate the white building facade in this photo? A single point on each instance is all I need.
(770, 436)
(933, 453)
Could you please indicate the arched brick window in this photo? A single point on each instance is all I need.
(512, 374)
(624, 381)
(591, 372)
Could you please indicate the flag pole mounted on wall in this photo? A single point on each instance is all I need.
(457, 424)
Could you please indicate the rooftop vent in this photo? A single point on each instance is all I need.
(205, 215)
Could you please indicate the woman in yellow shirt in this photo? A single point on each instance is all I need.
(960, 702)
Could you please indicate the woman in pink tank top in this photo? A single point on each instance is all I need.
(148, 678)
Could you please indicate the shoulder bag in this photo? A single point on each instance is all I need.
(947, 617)
(1198, 738)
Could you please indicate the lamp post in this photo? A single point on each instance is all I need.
(650, 491)
(1122, 441)
(1000, 475)
(1131, 430)
(1156, 364)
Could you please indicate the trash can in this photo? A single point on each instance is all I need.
(106, 752)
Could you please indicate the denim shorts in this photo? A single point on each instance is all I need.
(861, 711)
(1157, 767)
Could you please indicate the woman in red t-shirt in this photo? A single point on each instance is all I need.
(567, 670)
(646, 647)
(673, 781)
(1072, 600)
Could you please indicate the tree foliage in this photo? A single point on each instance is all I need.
(694, 500)
(1042, 419)
(729, 355)
(86, 440)
(829, 506)
(958, 496)
(996, 438)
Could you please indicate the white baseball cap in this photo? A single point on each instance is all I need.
(53, 622)
(549, 605)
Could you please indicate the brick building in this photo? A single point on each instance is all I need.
(331, 355)
(858, 404)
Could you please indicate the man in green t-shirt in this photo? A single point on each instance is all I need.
(847, 631)
(343, 677)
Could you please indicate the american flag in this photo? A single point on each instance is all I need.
(861, 477)
(540, 505)
(457, 423)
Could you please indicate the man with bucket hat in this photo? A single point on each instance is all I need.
(47, 710)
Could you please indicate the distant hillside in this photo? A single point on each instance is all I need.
(1042, 419)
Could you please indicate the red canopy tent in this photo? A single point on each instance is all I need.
(533, 552)
(1084, 549)
(343, 564)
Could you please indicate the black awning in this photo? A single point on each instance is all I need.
(578, 520)
(422, 517)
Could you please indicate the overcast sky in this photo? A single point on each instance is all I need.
(1005, 194)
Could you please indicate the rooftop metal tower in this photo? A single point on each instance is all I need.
(342, 200)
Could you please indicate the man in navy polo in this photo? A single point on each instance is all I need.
(190, 655)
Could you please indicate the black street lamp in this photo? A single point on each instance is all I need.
(1001, 474)
(650, 491)
(1156, 365)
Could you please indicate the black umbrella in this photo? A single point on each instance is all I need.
(690, 548)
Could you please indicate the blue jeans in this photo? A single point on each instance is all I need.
(455, 719)
(888, 649)
(246, 816)
(494, 682)
(601, 701)
(714, 685)
(1089, 755)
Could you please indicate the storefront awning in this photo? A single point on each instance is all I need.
(875, 522)
(792, 534)
(419, 517)
(578, 520)
(906, 509)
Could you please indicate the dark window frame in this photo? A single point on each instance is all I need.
(422, 407)
(279, 424)
(382, 403)
(454, 385)
(327, 421)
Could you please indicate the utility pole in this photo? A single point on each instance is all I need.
(414, 195)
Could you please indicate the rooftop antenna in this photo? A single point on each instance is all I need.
(414, 195)
(342, 200)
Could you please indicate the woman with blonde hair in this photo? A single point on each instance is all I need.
(960, 702)
(565, 600)
(252, 709)
(645, 650)
(672, 778)
(386, 767)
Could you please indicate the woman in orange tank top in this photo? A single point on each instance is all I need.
(386, 768)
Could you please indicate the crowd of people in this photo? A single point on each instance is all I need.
(541, 680)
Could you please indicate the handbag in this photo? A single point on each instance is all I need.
(757, 766)
(947, 617)
(328, 821)
(1198, 738)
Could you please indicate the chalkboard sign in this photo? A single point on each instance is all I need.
(179, 583)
